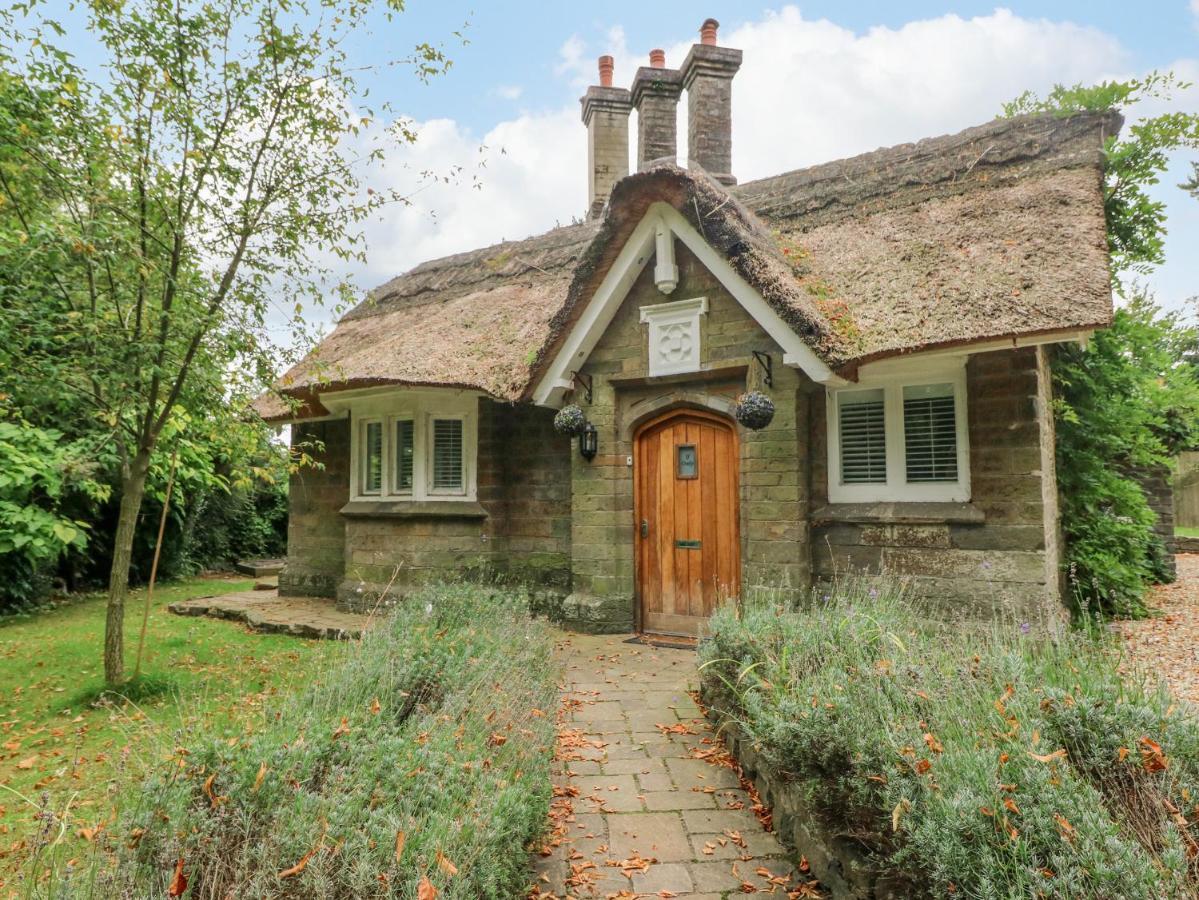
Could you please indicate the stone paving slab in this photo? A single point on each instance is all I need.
(266, 611)
(639, 810)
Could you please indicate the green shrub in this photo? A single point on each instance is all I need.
(438, 726)
(1123, 404)
(39, 475)
(986, 764)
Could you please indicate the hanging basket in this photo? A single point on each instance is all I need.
(570, 420)
(754, 410)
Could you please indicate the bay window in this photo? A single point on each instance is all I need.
(414, 446)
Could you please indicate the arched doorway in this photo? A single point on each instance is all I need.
(686, 519)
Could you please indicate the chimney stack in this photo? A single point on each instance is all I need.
(606, 115)
(708, 78)
(655, 95)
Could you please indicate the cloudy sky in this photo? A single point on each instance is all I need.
(820, 81)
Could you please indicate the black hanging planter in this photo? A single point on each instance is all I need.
(570, 420)
(754, 410)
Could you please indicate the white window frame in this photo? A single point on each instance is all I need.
(897, 489)
(359, 467)
(441, 493)
(393, 475)
(421, 407)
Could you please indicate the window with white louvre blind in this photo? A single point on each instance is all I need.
(414, 445)
(405, 456)
(372, 457)
(900, 439)
(863, 438)
(930, 433)
(447, 456)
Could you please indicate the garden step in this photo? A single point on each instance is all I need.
(260, 567)
(266, 611)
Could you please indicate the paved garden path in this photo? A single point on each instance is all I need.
(647, 802)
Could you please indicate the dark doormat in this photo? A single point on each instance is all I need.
(664, 641)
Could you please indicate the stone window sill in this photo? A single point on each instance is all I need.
(414, 509)
(900, 514)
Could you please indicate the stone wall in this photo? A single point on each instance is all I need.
(1186, 489)
(839, 860)
(315, 530)
(773, 501)
(535, 466)
(993, 558)
(519, 530)
(1158, 486)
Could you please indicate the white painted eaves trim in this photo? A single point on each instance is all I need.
(385, 394)
(906, 362)
(586, 332)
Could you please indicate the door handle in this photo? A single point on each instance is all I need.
(644, 528)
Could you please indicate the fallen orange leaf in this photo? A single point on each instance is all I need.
(1049, 757)
(298, 867)
(178, 881)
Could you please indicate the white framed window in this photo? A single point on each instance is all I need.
(403, 455)
(447, 472)
(415, 445)
(370, 459)
(902, 439)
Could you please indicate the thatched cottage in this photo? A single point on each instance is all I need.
(839, 368)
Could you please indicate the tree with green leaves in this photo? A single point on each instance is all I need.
(1128, 401)
(157, 210)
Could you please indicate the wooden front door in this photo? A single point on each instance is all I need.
(688, 544)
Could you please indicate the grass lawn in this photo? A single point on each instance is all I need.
(60, 749)
(1182, 531)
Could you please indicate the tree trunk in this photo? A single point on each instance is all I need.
(133, 489)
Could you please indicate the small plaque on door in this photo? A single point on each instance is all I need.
(688, 465)
(686, 544)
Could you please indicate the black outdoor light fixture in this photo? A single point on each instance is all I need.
(588, 442)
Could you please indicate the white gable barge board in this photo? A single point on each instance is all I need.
(595, 319)
(586, 332)
(795, 352)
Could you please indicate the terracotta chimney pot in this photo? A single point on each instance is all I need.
(707, 32)
(657, 59)
(606, 65)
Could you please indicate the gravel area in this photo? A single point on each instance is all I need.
(1167, 644)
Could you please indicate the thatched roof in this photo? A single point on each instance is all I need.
(472, 320)
(994, 232)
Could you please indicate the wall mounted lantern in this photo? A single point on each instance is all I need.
(588, 442)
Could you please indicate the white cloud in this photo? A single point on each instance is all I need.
(809, 91)
(520, 178)
(508, 91)
(1195, 11)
